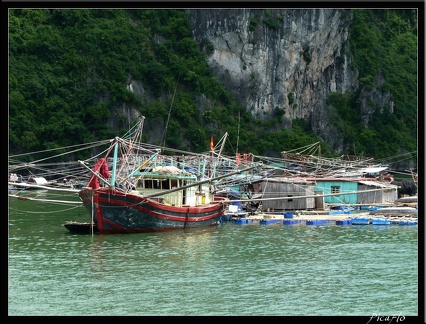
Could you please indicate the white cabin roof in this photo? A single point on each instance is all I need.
(38, 180)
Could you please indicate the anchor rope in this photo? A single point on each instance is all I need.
(44, 212)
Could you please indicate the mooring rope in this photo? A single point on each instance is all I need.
(44, 212)
(92, 225)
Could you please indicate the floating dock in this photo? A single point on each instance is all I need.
(319, 219)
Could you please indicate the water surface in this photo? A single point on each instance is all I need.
(228, 269)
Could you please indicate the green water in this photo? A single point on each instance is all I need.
(230, 269)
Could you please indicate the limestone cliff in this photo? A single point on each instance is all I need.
(287, 59)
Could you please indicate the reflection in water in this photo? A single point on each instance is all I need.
(185, 249)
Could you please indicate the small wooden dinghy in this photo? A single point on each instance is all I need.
(77, 227)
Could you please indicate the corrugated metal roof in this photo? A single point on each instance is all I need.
(373, 170)
(378, 184)
(285, 180)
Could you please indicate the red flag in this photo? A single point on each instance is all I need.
(211, 143)
(102, 166)
(238, 159)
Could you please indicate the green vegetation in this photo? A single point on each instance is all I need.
(69, 71)
(385, 41)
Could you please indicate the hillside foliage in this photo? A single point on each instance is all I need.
(69, 71)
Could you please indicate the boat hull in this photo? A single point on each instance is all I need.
(395, 211)
(116, 212)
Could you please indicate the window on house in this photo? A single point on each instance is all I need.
(148, 184)
(335, 189)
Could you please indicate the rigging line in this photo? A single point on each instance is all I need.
(65, 147)
(170, 110)
(407, 154)
(53, 201)
(44, 212)
(134, 130)
(102, 154)
(303, 148)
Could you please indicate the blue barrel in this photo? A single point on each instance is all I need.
(288, 215)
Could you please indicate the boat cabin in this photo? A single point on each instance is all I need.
(169, 179)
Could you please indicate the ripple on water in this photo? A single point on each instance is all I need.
(225, 270)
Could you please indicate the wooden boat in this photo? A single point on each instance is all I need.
(141, 194)
(395, 211)
(82, 228)
(409, 201)
(120, 212)
(16, 182)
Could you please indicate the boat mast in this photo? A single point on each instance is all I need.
(223, 144)
(114, 163)
(238, 132)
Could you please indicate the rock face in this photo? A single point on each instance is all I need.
(280, 59)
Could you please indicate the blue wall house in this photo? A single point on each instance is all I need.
(356, 191)
(328, 186)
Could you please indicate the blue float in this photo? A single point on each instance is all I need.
(407, 222)
(270, 221)
(360, 221)
(319, 222)
(243, 221)
(380, 221)
(293, 221)
(344, 222)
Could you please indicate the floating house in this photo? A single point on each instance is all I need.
(288, 194)
(355, 191)
(277, 193)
